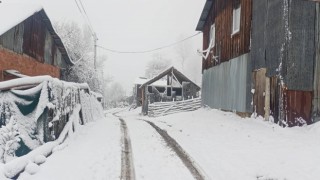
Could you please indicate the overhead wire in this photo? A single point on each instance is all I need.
(85, 16)
(149, 50)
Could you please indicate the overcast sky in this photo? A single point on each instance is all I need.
(136, 25)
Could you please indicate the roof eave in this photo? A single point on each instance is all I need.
(204, 15)
(56, 38)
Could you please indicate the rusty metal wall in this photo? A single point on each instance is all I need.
(13, 39)
(298, 107)
(228, 85)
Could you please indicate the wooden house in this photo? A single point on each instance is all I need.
(269, 64)
(226, 66)
(175, 87)
(285, 59)
(29, 46)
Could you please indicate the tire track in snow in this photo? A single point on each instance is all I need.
(127, 167)
(182, 154)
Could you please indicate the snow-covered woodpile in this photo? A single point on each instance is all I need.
(35, 110)
(166, 108)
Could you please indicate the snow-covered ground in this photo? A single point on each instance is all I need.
(226, 146)
(94, 152)
(222, 145)
(151, 157)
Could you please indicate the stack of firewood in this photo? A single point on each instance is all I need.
(165, 108)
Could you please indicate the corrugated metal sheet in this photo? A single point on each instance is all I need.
(316, 91)
(228, 86)
(298, 107)
(259, 25)
(301, 50)
(13, 39)
(286, 46)
(275, 35)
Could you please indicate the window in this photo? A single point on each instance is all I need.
(212, 35)
(236, 19)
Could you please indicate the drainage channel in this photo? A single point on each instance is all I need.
(182, 154)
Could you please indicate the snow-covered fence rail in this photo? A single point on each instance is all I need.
(166, 108)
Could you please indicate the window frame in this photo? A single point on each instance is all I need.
(212, 34)
(236, 19)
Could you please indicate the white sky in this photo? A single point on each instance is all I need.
(135, 25)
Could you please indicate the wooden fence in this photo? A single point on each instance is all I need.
(165, 108)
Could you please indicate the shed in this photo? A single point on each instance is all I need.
(178, 87)
(28, 42)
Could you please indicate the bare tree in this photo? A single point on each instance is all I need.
(157, 65)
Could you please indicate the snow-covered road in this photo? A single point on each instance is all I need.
(98, 151)
(151, 156)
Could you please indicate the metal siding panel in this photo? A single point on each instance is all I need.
(301, 46)
(275, 37)
(259, 23)
(226, 86)
(298, 106)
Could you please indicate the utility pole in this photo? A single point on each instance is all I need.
(95, 39)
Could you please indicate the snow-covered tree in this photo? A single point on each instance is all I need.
(157, 65)
(79, 44)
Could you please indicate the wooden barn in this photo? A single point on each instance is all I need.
(262, 56)
(285, 59)
(226, 66)
(29, 46)
(175, 87)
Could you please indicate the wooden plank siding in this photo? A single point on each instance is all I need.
(227, 46)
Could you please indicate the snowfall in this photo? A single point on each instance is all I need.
(221, 145)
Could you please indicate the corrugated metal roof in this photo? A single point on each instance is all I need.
(204, 15)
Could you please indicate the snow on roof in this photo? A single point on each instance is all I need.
(13, 12)
(142, 80)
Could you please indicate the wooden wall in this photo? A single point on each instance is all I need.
(30, 48)
(227, 46)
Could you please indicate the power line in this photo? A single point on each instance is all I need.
(84, 10)
(150, 50)
(85, 16)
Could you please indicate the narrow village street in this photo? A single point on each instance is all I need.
(104, 149)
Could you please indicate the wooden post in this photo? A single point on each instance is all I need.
(267, 100)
